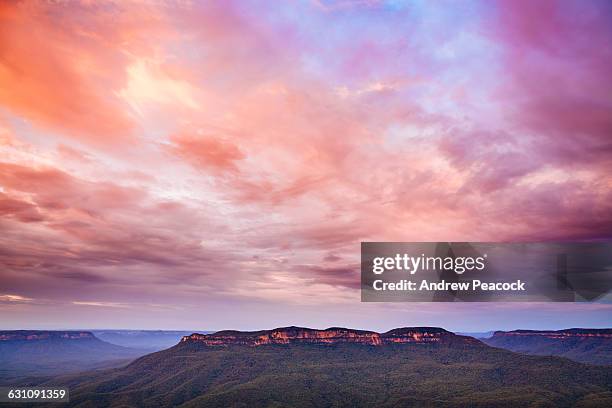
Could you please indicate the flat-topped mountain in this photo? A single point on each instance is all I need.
(332, 335)
(592, 346)
(46, 352)
(339, 367)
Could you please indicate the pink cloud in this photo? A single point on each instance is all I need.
(559, 84)
(207, 151)
(180, 151)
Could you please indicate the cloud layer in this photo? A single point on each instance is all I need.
(184, 156)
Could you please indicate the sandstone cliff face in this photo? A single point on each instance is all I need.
(31, 335)
(333, 335)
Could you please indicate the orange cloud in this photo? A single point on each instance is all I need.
(61, 65)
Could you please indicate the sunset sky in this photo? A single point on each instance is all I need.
(211, 165)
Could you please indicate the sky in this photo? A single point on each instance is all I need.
(215, 165)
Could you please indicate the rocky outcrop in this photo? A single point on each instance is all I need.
(333, 335)
(34, 335)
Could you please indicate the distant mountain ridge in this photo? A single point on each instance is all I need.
(332, 335)
(593, 346)
(606, 333)
(49, 352)
(33, 335)
(477, 335)
(153, 340)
